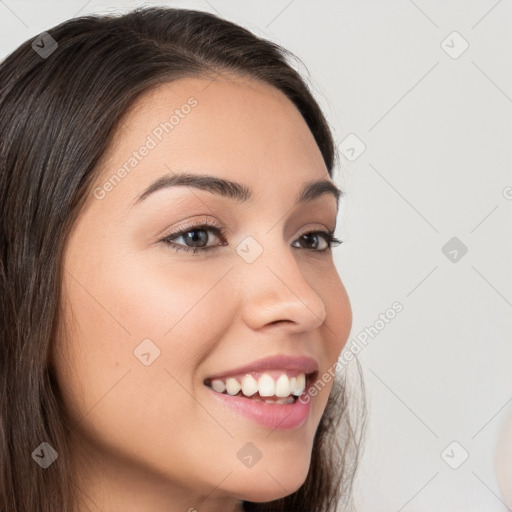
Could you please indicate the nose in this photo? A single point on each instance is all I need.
(275, 290)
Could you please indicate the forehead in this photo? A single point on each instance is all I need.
(234, 127)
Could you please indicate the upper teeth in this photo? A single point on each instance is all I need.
(266, 385)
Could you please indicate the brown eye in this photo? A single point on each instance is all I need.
(195, 238)
(315, 238)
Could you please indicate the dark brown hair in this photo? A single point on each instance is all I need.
(58, 114)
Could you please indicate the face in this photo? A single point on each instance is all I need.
(157, 319)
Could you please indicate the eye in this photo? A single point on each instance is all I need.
(316, 237)
(196, 238)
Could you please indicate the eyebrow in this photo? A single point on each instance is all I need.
(236, 191)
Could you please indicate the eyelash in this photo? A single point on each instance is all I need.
(327, 235)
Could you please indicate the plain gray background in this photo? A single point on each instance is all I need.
(426, 86)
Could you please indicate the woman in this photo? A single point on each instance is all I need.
(171, 311)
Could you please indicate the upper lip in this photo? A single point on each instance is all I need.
(303, 364)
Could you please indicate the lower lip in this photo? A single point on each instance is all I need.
(272, 416)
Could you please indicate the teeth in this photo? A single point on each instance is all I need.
(266, 385)
(284, 388)
(300, 385)
(287, 400)
(249, 385)
(232, 386)
(218, 385)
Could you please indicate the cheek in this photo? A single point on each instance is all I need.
(338, 316)
(335, 332)
(173, 315)
(134, 313)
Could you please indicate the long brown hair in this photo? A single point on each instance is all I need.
(58, 113)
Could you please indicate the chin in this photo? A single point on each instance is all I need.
(271, 484)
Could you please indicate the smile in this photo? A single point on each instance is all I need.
(268, 398)
(275, 386)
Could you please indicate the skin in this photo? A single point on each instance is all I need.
(152, 437)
